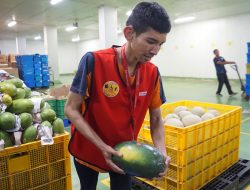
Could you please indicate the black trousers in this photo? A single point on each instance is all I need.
(222, 79)
(88, 179)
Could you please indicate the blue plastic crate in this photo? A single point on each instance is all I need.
(39, 83)
(248, 47)
(38, 72)
(248, 57)
(44, 58)
(66, 122)
(26, 64)
(248, 79)
(28, 77)
(45, 72)
(45, 77)
(45, 83)
(38, 77)
(247, 88)
(44, 64)
(45, 67)
(37, 65)
(36, 58)
(30, 83)
(26, 58)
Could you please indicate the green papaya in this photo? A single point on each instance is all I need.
(58, 126)
(7, 138)
(20, 94)
(8, 88)
(21, 106)
(48, 115)
(16, 81)
(7, 121)
(139, 159)
(29, 135)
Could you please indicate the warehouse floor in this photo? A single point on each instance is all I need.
(191, 89)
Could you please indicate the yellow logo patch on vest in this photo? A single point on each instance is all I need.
(110, 89)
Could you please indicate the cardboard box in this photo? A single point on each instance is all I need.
(60, 93)
(12, 71)
(3, 59)
(13, 64)
(12, 58)
(2, 65)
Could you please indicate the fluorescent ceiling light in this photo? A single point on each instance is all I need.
(76, 39)
(70, 28)
(184, 19)
(12, 23)
(38, 38)
(128, 13)
(53, 2)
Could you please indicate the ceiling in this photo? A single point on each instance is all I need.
(33, 15)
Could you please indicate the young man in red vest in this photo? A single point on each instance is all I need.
(110, 95)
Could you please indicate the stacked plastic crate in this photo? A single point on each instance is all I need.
(45, 70)
(248, 71)
(26, 70)
(200, 152)
(34, 70)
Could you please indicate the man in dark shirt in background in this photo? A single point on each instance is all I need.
(221, 72)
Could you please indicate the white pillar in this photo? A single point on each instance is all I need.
(51, 48)
(107, 26)
(21, 45)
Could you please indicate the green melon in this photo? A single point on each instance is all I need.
(21, 106)
(7, 100)
(7, 139)
(58, 126)
(7, 121)
(27, 92)
(20, 93)
(48, 115)
(46, 123)
(16, 81)
(29, 135)
(139, 159)
(26, 120)
(8, 88)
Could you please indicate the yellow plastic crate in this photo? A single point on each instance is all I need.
(201, 151)
(33, 166)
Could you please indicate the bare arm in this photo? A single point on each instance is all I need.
(225, 62)
(72, 110)
(157, 133)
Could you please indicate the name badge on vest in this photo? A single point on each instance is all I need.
(110, 89)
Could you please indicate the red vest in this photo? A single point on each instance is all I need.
(108, 111)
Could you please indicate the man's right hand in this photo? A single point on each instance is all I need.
(107, 152)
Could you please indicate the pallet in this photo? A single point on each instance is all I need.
(236, 177)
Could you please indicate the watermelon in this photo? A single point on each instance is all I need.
(139, 159)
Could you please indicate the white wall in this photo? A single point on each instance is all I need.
(188, 49)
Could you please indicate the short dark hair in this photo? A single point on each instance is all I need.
(215, 50)
(146, 15)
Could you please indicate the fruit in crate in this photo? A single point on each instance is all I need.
(26, 120)
(197, 110)
(7, 121)
(191, 120)
(48, 115)
(21, 106)
(58, 126)
(20, 94)
(6, 99)
(15, 81)
(8, 88)
(139, 159)
(29, 135)
(207, 116)
(174, 122)
(27, 92)
(6, 137)
(46, 123)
